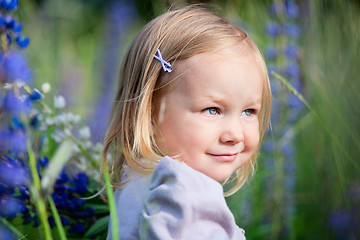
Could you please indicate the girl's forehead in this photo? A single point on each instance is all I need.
(213, 62)
(210, 71)
(236, 56)
(222, 54)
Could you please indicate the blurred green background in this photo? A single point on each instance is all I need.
(307, 183)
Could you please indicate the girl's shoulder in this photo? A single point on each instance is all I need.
(174, 202)
(183, 203)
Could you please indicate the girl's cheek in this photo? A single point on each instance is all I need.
(255, 136)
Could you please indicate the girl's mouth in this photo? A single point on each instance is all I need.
(225, 157)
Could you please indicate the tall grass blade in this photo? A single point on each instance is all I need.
(59, 226)
(36, 194)
(112, 205)
(326, 128)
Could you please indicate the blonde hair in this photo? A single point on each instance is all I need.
(179, 34)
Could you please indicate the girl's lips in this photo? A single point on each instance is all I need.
(225, 157)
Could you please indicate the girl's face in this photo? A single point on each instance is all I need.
(208, 116)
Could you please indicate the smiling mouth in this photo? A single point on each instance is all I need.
(226, 157)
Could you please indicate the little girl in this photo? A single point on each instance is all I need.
(191, 109)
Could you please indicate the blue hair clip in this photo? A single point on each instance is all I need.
(165, 65)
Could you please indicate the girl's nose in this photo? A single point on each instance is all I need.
(233, 132)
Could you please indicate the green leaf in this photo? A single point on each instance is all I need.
(99, 208)
(99, 226)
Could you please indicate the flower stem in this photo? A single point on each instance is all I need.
(4, 42)
(35, 191)
(56, 215)
(112, 205)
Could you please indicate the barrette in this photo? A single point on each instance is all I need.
(165, 65)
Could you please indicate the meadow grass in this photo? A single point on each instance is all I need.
(326, 134)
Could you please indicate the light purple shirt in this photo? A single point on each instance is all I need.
(175, 202)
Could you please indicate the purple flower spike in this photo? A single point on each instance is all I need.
(166, 66)
(15, 66)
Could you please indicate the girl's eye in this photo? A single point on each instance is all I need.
(211, 111)
(248, 112)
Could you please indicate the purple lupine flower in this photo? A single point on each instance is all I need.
(294, 101)
(22, 42)
(24, 192)
(340, 222)
(288, 150)
(9, 5)
(292, 30)
(14, 104)
(292, 9)
(9, 26)
(76, 228)
(9, 22)
(291, 51)
(65, 221)
(17, 124)
(6, 190)
(27, 217)
(292, 70)
(51, 221)
(275, 9)
(17, 28)
(10, 206)
(271, 52)
(293, 113)
(13, 173)
(275, 110)
(269, 145)
(81, 181)
(36, 95)
(43, 162)
(14, 66)
(273, 29)
(12, 141)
